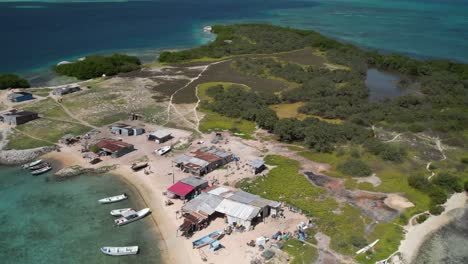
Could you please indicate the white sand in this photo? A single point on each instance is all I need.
(416, 234)
(176, 249)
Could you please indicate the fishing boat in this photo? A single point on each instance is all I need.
(163, 150)
(131, 216)
(206, 240)
(139, 166)
(119, 212)
(40, 166)
(113, 199)
(34, 163)
(120, 251)
(42, 170)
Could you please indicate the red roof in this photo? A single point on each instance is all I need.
(180, 189)
(205, 156)
(112, 145)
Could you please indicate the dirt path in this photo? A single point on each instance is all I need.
(69, 113)
(33, 137)
(4, 131)
(195, 125)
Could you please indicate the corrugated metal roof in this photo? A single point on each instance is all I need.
(180, 189)
(205, 203)
(194, 181)
(219, 190)
(257, 163)
(238, 210)
(160, 133)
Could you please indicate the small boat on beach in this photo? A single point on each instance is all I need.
(131, 216)
(120, 251)
(34, 163)
(40, 166)
(163, 150)
(208, 239)
(139, 166)
(119, 212)
(42, 170)
(113, 199)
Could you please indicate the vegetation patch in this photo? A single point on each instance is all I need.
(283, 183)
(305, 56)
(41, 91)
(17, 140)
(51, 130)
(48, 108)
(12, 81)
(300, 252)
(96, 66)
(216, 122)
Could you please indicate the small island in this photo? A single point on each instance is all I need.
(271, 115)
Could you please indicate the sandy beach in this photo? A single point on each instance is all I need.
(416, 234)
(175, 248)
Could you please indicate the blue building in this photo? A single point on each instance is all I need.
(20, 97)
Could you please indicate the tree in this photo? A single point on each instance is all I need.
(355, 167)
(289, 129)
(449, 182)
(12, 81)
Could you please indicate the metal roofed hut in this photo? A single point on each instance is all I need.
(203, 160)
(187, 188)
(115, 148)
(15, 117)
(160, 136)
(258, 165)
(17, 97)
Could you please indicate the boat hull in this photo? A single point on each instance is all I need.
(120, 251)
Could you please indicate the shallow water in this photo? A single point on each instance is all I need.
(447, 245)
(383, 85)
(62, 222)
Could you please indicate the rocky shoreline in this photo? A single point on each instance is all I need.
(76, 170)
(17, 157)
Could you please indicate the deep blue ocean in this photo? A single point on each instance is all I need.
(60, 222)
(38, 34)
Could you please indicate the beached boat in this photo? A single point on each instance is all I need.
(40, 171)
(206, 240)
(113, 199)
(40, 166)
(139, 166)
(119, 212)
(364, 249)
(131, 216)
(34, 163)
(163, 150)
(120, 251)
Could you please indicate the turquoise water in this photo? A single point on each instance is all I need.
(447, 245)
(38, 34)
(61, 222)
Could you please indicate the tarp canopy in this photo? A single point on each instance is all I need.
(180, 189)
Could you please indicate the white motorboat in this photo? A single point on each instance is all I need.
(120, 251)
(131, 216)
(113, 199)
(163, 150)
(34, 163)
(119, 212)
(42, 170)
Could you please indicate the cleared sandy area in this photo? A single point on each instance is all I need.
(177, 249)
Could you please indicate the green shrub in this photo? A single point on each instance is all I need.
(355, 167)
(94, 148)
(12, 81)
(95, 66)
(449, 182)
(466, 186)
(420, 219)
(436, 209)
